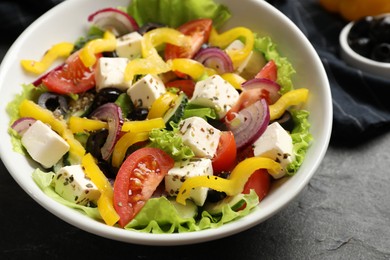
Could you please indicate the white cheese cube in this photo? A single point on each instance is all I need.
(187, 169)
(72, 184)
(275, 143)
(129, 45)
(252, 64)
(200, 136)
(146, 90)
(215, 92)
(110, 72)
(43, 144)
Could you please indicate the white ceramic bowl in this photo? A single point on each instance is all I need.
(358, 61)
(67, 21)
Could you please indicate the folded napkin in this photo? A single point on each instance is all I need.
(361, 101)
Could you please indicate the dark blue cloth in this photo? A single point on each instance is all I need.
(360, 100)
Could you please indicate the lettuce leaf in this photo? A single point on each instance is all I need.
(301, 138)
(285, 69)
(29, 91)
(170, 142)
(159, 216)
(160, 11)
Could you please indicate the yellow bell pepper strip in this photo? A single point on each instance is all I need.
(87, 53)
(29, 109)
(124, 143)
(105, 201)
(190, 67)
(63, 49)
(291, 98)
(234, 184)
(81, 124)
(152, 63)
(161, 105)
(143, 126)
(234, 79)
(224, 39)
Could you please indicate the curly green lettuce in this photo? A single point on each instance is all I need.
(160, 11)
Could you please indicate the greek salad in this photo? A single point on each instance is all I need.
(161, 122)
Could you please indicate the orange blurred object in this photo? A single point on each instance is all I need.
(352, 10)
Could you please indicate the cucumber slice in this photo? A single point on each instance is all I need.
(190, 210)
(234, 202)
(175, 113)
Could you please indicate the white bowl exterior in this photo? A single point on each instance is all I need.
(358, 61)
(255, 14)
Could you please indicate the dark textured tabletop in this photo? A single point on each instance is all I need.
(343, 213)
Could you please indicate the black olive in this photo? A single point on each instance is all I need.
(286, 121)
(381, 52)
(215, 196)
(148, 27)
(108, 170)
(105, 95)
(138, 113)
(380, 32)
(95, 142)
(110, 54)
(53, 102)
(362, 46)
(361, 28)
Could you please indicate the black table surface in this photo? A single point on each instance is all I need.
(343, 213)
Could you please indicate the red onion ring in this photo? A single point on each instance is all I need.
(264, 84)
(22, 124)
(250, 123)
(112, 114)
(215, 58)
(113, 18)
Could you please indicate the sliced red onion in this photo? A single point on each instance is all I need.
(22, 124)
(113, 19)
(250, 123)
(215, 58)
(112, 114)
(267, 85)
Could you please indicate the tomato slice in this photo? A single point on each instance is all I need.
(185, 85)
(73, 77)
(269, 71)
(225, 157)
(137, 179)
(199, 30)
(260, 181)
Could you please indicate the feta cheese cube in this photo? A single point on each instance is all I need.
(215, 92)
(200, 136)
(252, 64)
(129, 45)
(43, 144)
(146, 90)
(72, 184)
(110, 73)
(275, 143)
(187, 169)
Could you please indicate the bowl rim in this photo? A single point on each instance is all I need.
(85, 223)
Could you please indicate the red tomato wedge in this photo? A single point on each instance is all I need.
(225, 157)
(269, 71)
(72, 78)
(199, 30)
(137, 179)
(185, 85)
(260, 181)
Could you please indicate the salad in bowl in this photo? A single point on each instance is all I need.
(158, 122)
